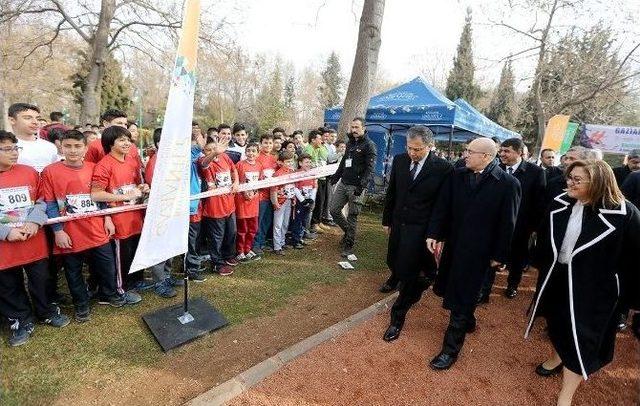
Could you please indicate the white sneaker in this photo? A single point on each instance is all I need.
(251, 256)
(241, 257)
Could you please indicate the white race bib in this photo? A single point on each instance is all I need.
(252, 177)
(223, 179)
(347, 163)
(80, 203)
(15, 203)
(306, 191)
(123, 190)
(268, 173)
(289, 191)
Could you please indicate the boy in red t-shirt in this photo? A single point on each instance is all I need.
(117, 181)
(305, 195)
(218, 212)
(247, 204)
(66, 189)
(283, 199)
(23, 247)
(265, 211)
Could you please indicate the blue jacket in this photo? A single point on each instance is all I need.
(196, 182)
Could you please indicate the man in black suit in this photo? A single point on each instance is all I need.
(547, 161)
(474, 216)
(632, 165)
(532, 204)
(416, 177)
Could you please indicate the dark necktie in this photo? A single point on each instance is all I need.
(475, 178)
(510, 170)
(414, 168)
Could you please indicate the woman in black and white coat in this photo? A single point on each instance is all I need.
(587, 257)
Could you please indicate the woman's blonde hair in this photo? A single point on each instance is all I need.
(603, 187)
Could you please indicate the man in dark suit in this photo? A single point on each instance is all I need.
(547, 161)
(532, 204)
(632, 165)
(416, 177)
(474, 216)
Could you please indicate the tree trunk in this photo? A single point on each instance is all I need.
(91, 93)
(365, 64)
(541, 119)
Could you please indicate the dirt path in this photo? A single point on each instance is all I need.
(496, 366)
(198, 366)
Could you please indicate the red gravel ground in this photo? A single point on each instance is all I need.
(496, 365)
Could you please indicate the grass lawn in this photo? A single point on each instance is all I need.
(116, 341)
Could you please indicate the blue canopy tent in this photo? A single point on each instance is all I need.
(391, 113)
(472, 120)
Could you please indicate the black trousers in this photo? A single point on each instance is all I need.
(193, 251)
(101, 265)
(14, 301)
(410, 293)
(125, 251)
(459, 324)
(222, 235)
(320, 202)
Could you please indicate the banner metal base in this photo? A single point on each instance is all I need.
(173, 327)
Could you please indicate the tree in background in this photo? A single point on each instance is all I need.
(331, 87)
(270, 106)
(460, 82)
(115, 89)
(365, 64)
(503, 106)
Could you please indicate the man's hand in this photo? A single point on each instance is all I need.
(16, 234)
(30, 229)
(63, 240)
(133, 194)
(431, 245)
(498, 265)
(109, 227)
(249, 194)
(144, 188)
(387, 230)
(234, 187)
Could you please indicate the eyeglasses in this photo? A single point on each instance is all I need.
(470, 151)
(576, 180)
(11, 149)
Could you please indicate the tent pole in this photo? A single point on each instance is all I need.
(450, 142)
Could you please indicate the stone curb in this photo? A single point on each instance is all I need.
(252, 376)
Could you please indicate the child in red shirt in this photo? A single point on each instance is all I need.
(305, 196)
(283, 199)
(66, 189)
(23, 247)
(218, 212)
(247, 204)
(265, 212)
(117, 181)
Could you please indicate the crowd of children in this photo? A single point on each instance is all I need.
(51, 171)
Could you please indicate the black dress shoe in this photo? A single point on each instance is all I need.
(511, 292)
(443, 361)
(389, 286)
(482, 298)
(471, 328)
(392, 333)
(542, 371)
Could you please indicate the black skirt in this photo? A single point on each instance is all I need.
(555, 307)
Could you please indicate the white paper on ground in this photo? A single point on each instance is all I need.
(345, 265)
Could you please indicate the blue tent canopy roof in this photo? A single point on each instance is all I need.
(418, 103)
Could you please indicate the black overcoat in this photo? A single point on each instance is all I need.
(580, 302)
(532, 204)
(477, 225)
(407, 209)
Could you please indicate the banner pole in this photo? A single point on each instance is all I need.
(186, 316)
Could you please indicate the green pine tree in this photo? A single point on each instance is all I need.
(502, 108)
(460, 82)
(270, 102)
(331, 87)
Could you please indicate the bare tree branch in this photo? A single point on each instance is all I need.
(71, 21)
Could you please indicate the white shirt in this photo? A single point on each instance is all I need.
(37, 153)
(420, 164)
(574, 227)
(513, 167)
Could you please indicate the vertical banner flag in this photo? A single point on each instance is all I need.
(569, 135)
(166, 223)
(554, 134)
